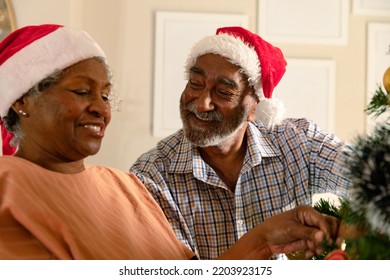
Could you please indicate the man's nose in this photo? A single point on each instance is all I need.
(204, 102)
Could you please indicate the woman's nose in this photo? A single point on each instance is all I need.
(100, 106)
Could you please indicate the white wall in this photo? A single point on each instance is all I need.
(42, 11)
(125, 29)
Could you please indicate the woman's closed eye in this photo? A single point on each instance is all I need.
(85, 92)
(107, 97)
(80, 91)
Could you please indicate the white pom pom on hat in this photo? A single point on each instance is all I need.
(32, 53)
(261, 62)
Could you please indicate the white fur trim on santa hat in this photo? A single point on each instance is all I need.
(55, 51)
(235, 50)
(270, 111)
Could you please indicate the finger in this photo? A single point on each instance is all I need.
(318, 236)
(300, 249)
(312, 236)
(311, 245)
(334, 225)
(339, 241)
(311, 217)
(309, 254)
(319, 251)
(295, 246)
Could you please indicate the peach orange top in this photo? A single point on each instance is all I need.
(100, 213)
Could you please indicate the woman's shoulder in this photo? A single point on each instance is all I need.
(112, 173)
(15, 163)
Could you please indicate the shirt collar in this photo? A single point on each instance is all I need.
(187, 158)
(182, 161)
(260, 141)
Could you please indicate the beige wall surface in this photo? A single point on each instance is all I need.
(125, 29)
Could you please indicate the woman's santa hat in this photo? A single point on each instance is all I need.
(262, 63)
(32, 53)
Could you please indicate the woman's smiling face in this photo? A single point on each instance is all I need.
(68, 120)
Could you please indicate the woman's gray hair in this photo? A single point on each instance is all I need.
(11, 120)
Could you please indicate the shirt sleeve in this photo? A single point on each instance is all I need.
(327, 161)
(151, 173)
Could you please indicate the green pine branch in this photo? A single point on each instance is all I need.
(380, 102)
(371, 246)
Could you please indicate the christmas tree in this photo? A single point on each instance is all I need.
(365, 218)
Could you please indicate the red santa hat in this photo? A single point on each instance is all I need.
(261, 62)
(32, 53)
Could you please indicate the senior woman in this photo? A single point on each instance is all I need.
(55, 107)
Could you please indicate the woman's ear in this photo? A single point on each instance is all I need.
(19, 107)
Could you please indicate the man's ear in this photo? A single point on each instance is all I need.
(252, 110)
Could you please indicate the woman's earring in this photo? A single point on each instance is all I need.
(23, 113)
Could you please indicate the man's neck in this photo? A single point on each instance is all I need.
(227, 159)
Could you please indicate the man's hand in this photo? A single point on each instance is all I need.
(299, 229)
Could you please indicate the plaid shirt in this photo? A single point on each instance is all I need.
(283, 167)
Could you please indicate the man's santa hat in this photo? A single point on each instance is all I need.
(32, 53)
(262, 63)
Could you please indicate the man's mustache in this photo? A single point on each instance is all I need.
(207, 116)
